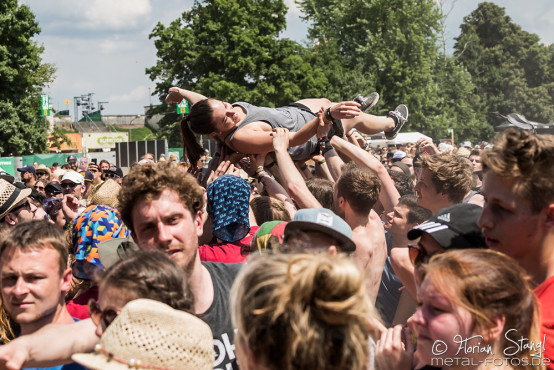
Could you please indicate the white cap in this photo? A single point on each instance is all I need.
(399, 154)
(74, 177)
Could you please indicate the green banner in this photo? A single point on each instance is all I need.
(48, 159)
(178, 150)
(183, 107)
(7, 164)
(44, 105)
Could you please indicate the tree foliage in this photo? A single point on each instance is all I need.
(231, 50)
(511, 70)
(392, 47)
(22, 77)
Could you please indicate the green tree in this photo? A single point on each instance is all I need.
(22, 77)
(230, 50)
(392, 43)
(511, 70)
(392, 47)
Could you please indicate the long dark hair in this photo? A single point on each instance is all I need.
(198, 121)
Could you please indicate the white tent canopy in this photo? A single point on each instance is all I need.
(401, 138)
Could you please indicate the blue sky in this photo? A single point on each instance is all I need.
(102, 46)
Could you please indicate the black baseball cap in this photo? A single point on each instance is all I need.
(116, 170)
(454, 227)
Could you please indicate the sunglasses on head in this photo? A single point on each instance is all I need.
(25, 205)
(98, 316)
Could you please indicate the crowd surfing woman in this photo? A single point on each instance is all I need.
(302, 312)
(476, 310)
(246, 128)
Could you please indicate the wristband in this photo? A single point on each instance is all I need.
(259, 170)
(328, 114)
(322, 161)
(323, 139)
(326, 149)
(271, 165)
(303, 167)
(260, 175)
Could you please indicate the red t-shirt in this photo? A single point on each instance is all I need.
(226, 252)
(545, 294)
(78, 307)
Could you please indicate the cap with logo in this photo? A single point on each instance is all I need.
(324, 221)
(71, 159)
(89, 177)
(454, 227)
(399, 154)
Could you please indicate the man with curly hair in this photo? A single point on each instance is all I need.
(444, 181)
(518, 216)
(162, 206)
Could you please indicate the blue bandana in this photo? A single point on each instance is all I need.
(228, 205)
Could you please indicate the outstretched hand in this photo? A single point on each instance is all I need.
(345, 110)
(174, 95)
(224, 168)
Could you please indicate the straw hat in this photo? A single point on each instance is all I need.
(105, 193)
(10, 196)
(150, 334)
(43, 168)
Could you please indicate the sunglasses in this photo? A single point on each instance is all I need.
(98, 316)
(418, 255)
(39, 187)
(68, 185)
(25, 205)
(111, 175)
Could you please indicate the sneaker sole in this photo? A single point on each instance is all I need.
(403, 110)
(368, 102)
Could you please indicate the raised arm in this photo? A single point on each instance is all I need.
(176, 95)
(389, 195)
(293, 180)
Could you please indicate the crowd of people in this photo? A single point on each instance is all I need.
(298, 245)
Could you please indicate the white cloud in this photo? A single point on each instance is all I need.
(293, 8)
(139, 93)
(115, 14)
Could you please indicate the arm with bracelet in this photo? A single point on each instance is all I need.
(321, 168)
(333, 161)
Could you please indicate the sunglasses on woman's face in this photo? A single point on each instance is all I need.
(418, 255)
(98, 316)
